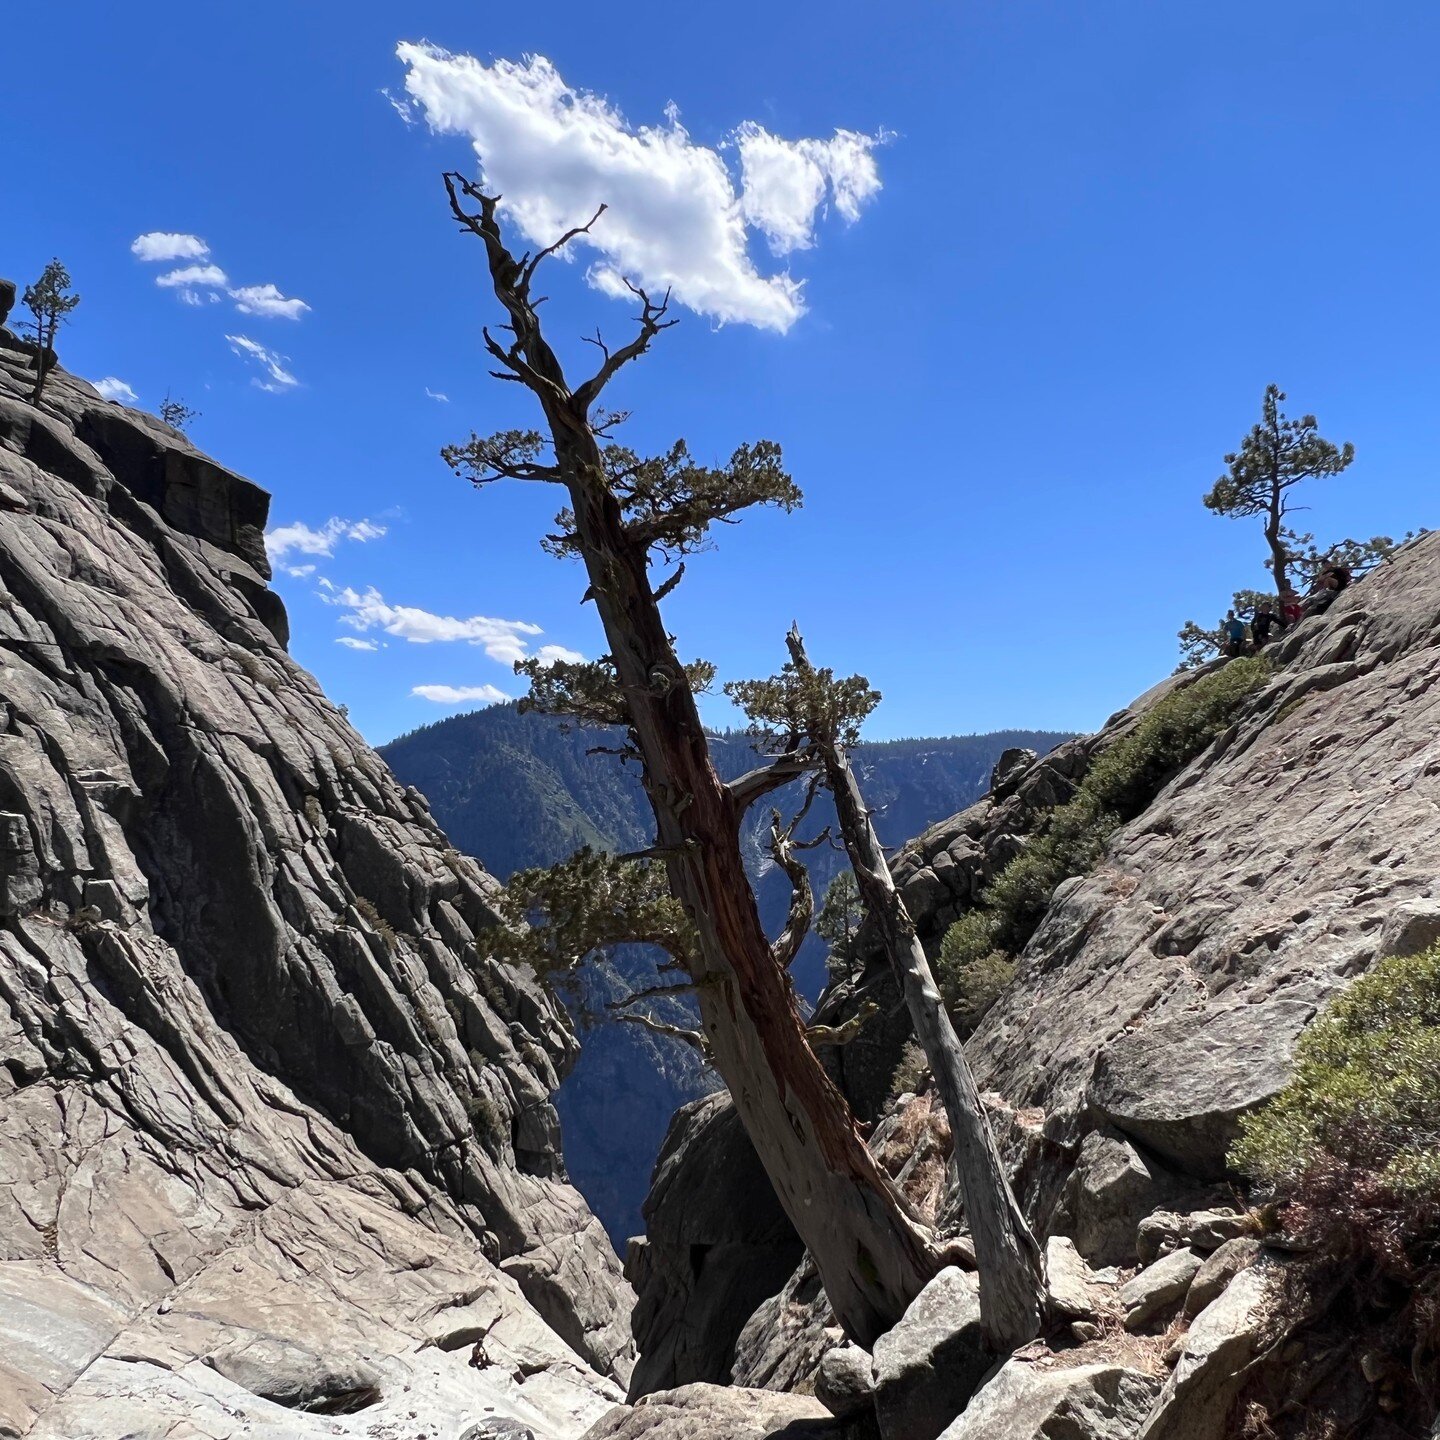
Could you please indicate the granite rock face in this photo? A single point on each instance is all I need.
(717, 1244)
(275, 1130)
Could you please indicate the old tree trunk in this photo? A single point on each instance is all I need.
(872, 1255)
(1012, 1284)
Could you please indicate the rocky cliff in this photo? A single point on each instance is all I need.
(277, 1151)
(1159, 1000)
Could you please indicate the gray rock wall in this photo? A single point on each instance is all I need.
(247, 1018)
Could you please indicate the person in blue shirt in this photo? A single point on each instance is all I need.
(1233, 631)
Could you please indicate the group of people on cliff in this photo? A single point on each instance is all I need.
(1245, 637)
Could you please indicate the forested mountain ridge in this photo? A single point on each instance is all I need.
(517, 790)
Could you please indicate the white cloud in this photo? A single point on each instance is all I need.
(352, 642)
(113, 389)
(549, 654)
(460, 694)
(268, 301)
(189, 276)
(300, 538)
(300, 572)
(437, 395)
(785, 182)
(279, 378)
(675, 218)
(502, 640)
(162, 245)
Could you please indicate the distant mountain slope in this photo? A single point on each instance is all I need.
(518, 790)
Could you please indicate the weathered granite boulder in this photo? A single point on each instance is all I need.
(845, 1384)
(784, 1341)
(1201, 1392)
(1070, 1285)
(715, 1412)
(1110, 1190)
(7, 299)
(1159, 1289)
(717, 1245)
(932, 1362)
(1028, 1401)
(1219, 1269)
(275, 1128)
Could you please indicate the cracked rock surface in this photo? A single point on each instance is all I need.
(277, 1152)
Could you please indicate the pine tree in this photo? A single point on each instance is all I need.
(626, 517)
(1277, 455)
(49, 300)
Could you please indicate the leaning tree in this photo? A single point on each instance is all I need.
(629, 519)
(803, 708)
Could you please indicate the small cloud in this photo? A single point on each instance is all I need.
(502, 640)
(190, 276)
(301, 538)
(549, 654)
(268, 301)
(163, 245)
(437, 395)
(460, 694)
(278, 377)
(403, 108)
(113, 389)
(300, 572)
(351, 642)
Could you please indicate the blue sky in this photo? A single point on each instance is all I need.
(1099, 230)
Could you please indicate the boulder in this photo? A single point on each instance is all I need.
(713, 1253)
(1110, 1190)
(1069, 1283)
(1026, 1401)
(1196, 1401)
(845, 1384)
(1158, 1289)
(932, 1362)
(783, 1342)
(718, 1412)
(1012, 764)
(7, 299)
(1219, 1270)
(1202, 1230)
(1180, 1085)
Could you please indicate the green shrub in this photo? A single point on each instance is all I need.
(1351, 1149)
(977, 986)
(1365, 1092)
(1072, 839)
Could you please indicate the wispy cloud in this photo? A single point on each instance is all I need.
(268, 301)
(353, 642)
(549, 654)
(165, 245)
(677, 217)
(192, 277)
(437, 395)
(276, 377)
(298, 538)
(502, 640)
(460, 694)
(113, 389)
